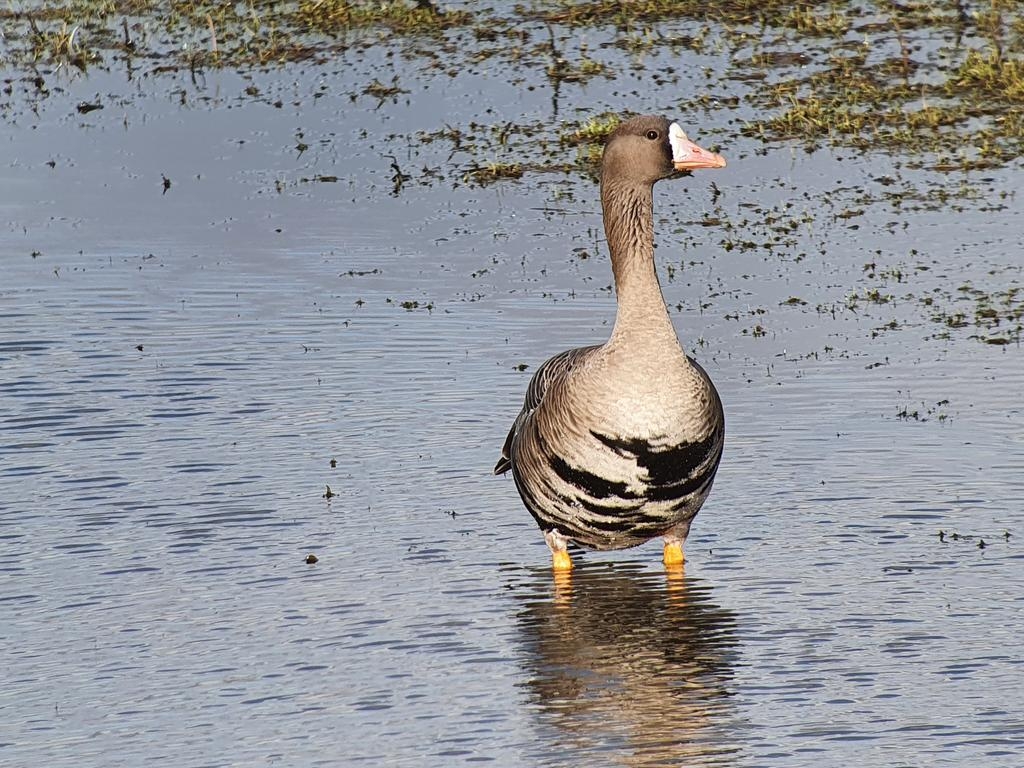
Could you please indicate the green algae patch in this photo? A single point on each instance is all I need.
(208, 34)
(940, 83)
(923, 79)
(337, 16)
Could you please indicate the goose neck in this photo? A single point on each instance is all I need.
(629, 227)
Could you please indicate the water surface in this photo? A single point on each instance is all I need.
(180, 367)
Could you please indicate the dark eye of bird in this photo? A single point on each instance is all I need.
(652, 135)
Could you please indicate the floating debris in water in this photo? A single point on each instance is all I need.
(897, 569)
(954, 536)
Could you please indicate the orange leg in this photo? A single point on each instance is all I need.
(560, 560)
(673, 557)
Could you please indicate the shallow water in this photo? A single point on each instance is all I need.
(179, 367)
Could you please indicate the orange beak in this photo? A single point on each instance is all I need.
(688, 156)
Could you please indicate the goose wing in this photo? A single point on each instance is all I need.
(557, 367)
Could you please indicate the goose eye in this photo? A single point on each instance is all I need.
(652, 135)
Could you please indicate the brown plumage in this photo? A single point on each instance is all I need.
(619, 443)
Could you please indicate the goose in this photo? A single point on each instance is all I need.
(617, 444)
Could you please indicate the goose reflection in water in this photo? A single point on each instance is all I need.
(629, 667)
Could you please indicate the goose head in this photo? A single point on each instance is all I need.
(649, 148)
